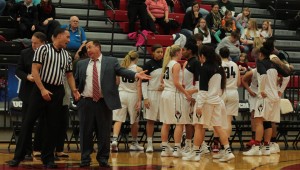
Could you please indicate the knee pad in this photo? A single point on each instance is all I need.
(267, 125)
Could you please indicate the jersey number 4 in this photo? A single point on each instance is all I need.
(229, 72)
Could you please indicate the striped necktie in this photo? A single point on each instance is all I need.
(96, 88)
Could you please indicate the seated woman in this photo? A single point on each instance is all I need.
(159, 12)
(190, 20)
(248, 36)
(213, 20)
(46, 16)
(202, 28)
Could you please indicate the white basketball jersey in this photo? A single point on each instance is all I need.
(168, 77)
(254, 81)
(154, 82)
(129, 85)
(188, 79)
(231, 71)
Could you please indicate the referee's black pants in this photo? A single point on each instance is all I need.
(49, 111)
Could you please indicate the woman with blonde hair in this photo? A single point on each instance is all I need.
(248, 36)
(257, 44)
(172, 98)
(130, 92)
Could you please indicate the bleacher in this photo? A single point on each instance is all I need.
(100, 26)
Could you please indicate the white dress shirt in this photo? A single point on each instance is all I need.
(88, 87)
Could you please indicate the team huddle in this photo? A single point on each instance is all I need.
(196, 89)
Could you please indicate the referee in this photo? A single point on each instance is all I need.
(50, 64)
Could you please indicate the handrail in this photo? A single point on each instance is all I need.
(88, 16)
(275, 15)
(59, 3)
(113, 27)
(145, 45)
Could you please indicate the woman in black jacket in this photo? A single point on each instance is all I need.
(190, 20)
(46, 16)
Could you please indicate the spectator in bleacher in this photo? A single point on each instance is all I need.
(202, 11)
(232, 43)
(185, 4)
(77, 37)
(190, 20)
(170, 4)
(27, 15)
(242, 19)
(226, 5)
(213, 20)
(224, 31)
(8, 10)
(109, 3)
(228, 17)
(266, 30)
(137, 8)
(159, 12)
(2, 6)
(202, 28)
(242, 63)
(46, 15)
(257, 44)
(35, 2)
(248, 36)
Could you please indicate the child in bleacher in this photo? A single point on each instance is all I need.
(228, 17)
(202, 28)
(225, 31)
(242, 63)
(242, 19)
(266, 30)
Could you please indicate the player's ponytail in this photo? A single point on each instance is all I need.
(131, 56)
(170, 52)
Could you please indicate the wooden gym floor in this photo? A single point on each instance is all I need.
(285, 160)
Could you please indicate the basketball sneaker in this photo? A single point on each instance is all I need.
(255, 150)
(227, 156)
(166, 151)
(219, 155)
(192, 156)
(177, 152)
(114, 146)
(274, 147)
(265, 150)
(204, 148)
(136, 147)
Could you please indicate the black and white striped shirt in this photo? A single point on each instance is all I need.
(55, 63)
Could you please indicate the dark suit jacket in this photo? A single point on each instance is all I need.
(23, 69)
(110, 68)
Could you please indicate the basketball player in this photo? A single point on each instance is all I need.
(267, 108)
(209, 107)
(172, 98)
(251, 78)
(151, 90)
(233, 81)
(191, 84)
(130, 95)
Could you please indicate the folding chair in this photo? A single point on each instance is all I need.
(75, 126)
(15, 112)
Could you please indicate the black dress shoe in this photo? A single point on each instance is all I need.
(28, 157)
(50, 165)
(104, 163)
(84, 164)
(14, 163)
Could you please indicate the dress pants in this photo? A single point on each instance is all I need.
(48, 109)
(94, 117)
